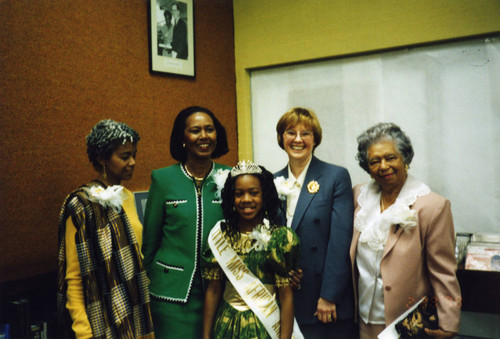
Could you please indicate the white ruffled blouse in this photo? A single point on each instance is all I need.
(374, 227)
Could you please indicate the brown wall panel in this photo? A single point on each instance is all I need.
(64, 65)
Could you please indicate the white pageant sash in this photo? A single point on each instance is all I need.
(262, 303)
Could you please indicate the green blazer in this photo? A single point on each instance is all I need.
(177, 222)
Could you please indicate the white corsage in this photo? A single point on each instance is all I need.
(262, 234)
(375, 226)
(403, 216)
(375, 236)
(220, 177)
(284, 187)
(112, 196)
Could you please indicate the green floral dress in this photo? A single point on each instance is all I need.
(271, 265)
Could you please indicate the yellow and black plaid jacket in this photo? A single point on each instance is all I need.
(114, 280)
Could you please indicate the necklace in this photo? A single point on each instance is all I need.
(198, 182)
(382, 205)
(194, 177)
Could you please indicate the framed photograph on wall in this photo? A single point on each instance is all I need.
(171, 25)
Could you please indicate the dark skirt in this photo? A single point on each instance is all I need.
(172, 320)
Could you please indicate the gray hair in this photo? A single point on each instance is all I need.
(105, 137)
(379, 132)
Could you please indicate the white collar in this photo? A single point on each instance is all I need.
(373, 225)
(302, 177)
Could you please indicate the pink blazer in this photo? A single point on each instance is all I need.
(419, 263)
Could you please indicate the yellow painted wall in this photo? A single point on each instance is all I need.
(278, 32)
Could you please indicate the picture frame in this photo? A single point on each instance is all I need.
(171, 31)
(141, 197)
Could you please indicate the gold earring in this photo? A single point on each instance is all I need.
(407, 168)
(183, 145)
(104, 175)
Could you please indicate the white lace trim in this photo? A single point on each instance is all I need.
(373, 225)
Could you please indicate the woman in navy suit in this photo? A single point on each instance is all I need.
(319, 208)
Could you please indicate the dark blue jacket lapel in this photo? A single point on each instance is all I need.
(305, 198)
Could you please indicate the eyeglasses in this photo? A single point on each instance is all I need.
(291, 133)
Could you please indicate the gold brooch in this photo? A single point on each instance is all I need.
(313, 187)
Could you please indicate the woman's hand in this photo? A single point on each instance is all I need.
(326, 311)
(296, 278)
(439, 333)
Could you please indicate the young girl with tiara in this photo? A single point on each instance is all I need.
(249, 262)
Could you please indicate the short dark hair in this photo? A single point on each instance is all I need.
(105, 137)
(379, 132)
(177, 137)
(271, 203)
(167, 12)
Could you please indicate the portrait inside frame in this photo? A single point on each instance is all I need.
(172, 38)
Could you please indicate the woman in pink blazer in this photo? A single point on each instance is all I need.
(403, 240)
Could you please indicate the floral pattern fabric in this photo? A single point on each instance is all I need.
(270, 265)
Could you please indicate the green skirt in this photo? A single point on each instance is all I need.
(231, 323)
(172, 320)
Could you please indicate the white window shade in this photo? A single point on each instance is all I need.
(445, 97)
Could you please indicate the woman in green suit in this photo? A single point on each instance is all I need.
(181, 209)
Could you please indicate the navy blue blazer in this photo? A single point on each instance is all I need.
(323, 222)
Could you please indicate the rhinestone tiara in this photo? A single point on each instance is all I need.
(245, 167)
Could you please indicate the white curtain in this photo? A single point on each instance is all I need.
(445, 97)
